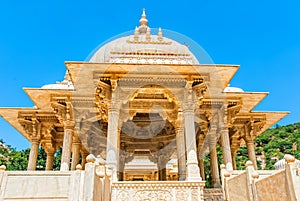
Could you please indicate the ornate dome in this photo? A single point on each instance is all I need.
(66, 84)
(233, 89)
(144, 48)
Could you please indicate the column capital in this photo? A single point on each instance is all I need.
(76, 140)
(64, 112)
(32, 128)
(35, 141)
(49, 147)
(249, 140)
(69, 125)
(248, 133)
(200, 90)
(179, 123)
(114, 84)
(179, 128)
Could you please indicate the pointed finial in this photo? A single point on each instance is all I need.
(160, 35)
(144, 12)
(143, 22)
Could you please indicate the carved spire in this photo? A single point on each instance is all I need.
(143, 20)
(143, 23)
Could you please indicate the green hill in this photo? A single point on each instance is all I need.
(271, 146)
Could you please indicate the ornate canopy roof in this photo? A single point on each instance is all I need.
(142, 47)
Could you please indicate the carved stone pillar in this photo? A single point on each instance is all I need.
(162, 170)
(249, 138)
(214, 167)
(251, 153)
(180, 145)
(201, 167)
(235, 144)
(113, 136)
(67, 143)
(121, 167)
(225, 141)
(49, 160)
(75, 154)
(162, 173)
(35, 135)
(34, 149)
(48, 144)
(233, 154)
(192, 171)
(83, 159)
(212, 138)
(200, 156)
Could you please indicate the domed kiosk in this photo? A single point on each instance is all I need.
(149, 111)
(144, 48)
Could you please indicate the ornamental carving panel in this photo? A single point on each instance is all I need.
(158, 191)
(152, 195)
(181, 195)
(123, 195)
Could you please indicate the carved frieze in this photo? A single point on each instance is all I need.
(200, 90)
(32, 128)
(232, 114)
(156, 191)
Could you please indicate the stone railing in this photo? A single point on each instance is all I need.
(92, 184)
(267, 185)
(157, 191)
(213, 194)
(46, 185)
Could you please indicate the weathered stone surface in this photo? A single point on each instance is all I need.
(273, 188)
(237, 187)
(214, 194)
(262, 185)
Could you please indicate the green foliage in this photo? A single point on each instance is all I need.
(241, 158)
(57, 159)
(273, 144)
(18, 160)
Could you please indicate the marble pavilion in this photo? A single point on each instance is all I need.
(145, 105)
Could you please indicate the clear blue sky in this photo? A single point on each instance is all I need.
(262, 36)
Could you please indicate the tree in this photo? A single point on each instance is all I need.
(18, 160)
